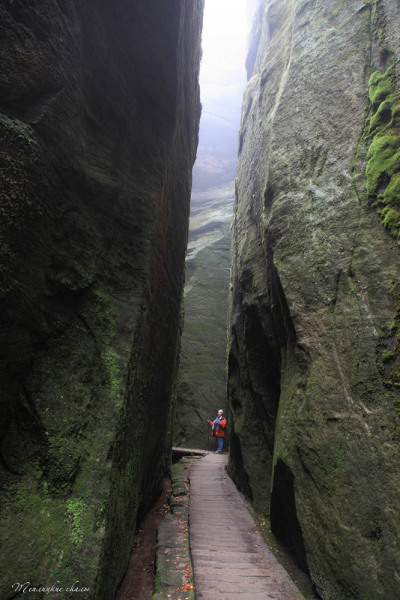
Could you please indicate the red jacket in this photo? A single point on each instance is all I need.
(220, 427)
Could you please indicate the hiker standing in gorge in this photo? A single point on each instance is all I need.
(218, 430)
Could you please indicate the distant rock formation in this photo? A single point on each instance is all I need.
(314, 354)
(202, 375)
(217, 153)
(99, 114)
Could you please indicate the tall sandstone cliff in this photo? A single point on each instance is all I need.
(99, 111)
(201, 389)
(314, 357)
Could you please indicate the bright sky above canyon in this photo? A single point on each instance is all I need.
(224, 46)
(222, 80)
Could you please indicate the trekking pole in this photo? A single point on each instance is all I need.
(208, 439)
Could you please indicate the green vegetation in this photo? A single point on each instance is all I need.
(74, 517)
(61, 496)
(388, 354)
(383, 168)
(383, 185)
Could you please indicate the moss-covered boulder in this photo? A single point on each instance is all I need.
(313, 331)
(99, 110)
(202, 375)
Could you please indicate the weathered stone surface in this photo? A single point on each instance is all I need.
(313, 350)
(99, 110)
(202, 375)
(174, 574)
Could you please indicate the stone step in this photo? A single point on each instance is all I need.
(240, 566)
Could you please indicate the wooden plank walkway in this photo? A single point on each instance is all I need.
(230, 559)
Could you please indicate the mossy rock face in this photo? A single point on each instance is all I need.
(313, 364)
(383, 168)
(381, 86)
(202, 376)
(99, 109)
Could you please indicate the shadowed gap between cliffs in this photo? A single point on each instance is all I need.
(263, 339)
(284, 521)
(283, 512)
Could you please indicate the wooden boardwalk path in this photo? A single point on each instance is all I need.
(230, 559)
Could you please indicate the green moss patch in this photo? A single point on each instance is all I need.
(383, 189)
(380, 86)
(383, 168)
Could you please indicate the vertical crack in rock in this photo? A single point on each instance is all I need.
(284, 521)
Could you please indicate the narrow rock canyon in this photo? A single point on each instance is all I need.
(99, 121)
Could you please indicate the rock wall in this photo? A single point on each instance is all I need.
(202, 376)
(314, 365)
(99, 114)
